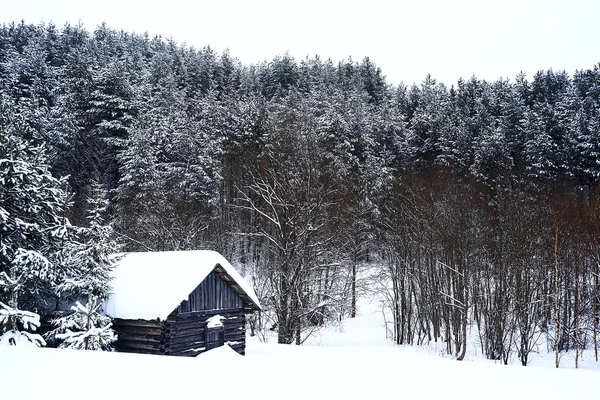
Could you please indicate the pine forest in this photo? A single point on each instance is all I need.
(471, 206)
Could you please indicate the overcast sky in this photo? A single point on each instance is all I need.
(407, 39)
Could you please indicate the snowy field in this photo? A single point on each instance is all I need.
(350, 361)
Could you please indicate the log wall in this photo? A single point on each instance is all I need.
(138, 336)
(185, 334)
(184, 331)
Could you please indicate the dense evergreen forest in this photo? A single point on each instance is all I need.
(478, 203)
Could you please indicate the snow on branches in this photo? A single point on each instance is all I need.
(85, 328)
(89, 259)
(11, 319)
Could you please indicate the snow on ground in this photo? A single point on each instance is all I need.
(277, 371)
(271, 370)
(351, 360)
(369, 329)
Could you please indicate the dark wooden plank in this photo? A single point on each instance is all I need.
(187, 325)
(169, 342)
(139, 337)
(139, 346)
(213, 294)
(218, 293)
(226, 312)
(235, 326)
(174, 341)
(190, 325)
(195, 323)
(239, 332)
(188, 353)
(137, 322)
(241, 335)
(193, 316)
(183, 346)
(235, 331)
(135, 342)
(186, 334)
(205, 287)
(200, 326)
(138, 330)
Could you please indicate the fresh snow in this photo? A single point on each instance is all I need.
(21, 338)
(29, 320)
(351, 360)
(215, 321)
(271, 370)
(150, 285)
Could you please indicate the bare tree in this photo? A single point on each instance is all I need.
(293, 201)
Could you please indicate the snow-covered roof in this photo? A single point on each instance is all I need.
(150, 285)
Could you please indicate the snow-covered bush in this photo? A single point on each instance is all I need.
(12, 320)
(85, 328)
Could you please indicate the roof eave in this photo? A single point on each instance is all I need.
(222, 273)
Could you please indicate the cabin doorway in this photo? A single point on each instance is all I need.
(215, 337)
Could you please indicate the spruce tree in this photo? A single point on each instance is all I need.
(15, 324)
(86, 328)
(90, 260)
(32, 229)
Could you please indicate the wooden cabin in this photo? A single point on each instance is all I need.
(179, 303)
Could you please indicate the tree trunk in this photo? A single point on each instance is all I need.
(556, 316)
(595, 319)
(576, 313)
(353, 301)
(298, 341)
(464, 316)
(89, 327)
(285, 326)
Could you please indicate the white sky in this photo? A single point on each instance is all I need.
(407, 39)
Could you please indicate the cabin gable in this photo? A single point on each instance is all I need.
(212, 294)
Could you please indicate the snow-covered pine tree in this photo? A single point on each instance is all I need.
(90, 261)
(32, 229)
(91, 257)
(86, 328)
(15, 323)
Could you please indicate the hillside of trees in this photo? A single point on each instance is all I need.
(479, 202)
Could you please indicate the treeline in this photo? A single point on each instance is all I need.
(479, 201)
